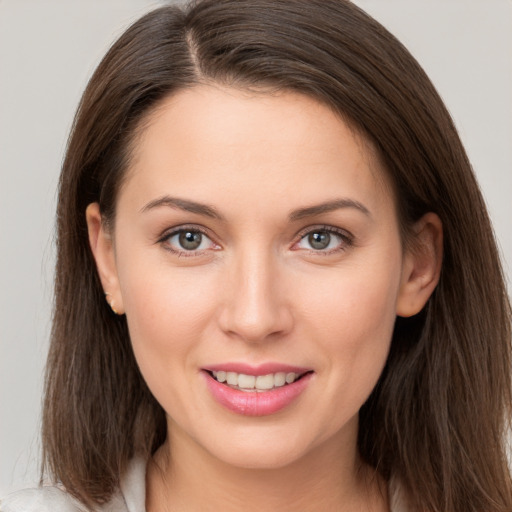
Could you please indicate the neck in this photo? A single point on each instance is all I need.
(329, 477)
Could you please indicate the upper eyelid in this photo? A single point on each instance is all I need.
(323, 227)
(168, 232)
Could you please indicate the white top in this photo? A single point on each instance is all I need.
(131, 496)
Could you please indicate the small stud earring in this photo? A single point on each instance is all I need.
(110, 302)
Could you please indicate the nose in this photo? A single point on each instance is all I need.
(255, 306)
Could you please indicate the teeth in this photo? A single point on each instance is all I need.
(253, 383)
(246, 381)
(262, 382)
(290, 377)
(232, 378)
(279, 379)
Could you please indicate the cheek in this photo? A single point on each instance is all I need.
(351, 315)
(166, 309)
(354, 300)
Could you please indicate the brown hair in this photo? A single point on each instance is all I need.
(438, 416)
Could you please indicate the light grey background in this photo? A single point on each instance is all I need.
(48, 50)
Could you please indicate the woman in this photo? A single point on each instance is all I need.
(304, 304)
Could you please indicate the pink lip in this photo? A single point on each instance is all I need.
(256, 403)
(261, 369)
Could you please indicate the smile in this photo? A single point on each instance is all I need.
(253, 383)
(260, 391)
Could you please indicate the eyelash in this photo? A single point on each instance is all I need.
(347, 240)
(164, 240)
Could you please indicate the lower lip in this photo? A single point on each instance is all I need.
(256, 403)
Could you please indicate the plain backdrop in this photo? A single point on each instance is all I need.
(48, 50)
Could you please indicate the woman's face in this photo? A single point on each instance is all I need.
(256, 244)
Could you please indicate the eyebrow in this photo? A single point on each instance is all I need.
(183, 204)
(209, 211)
(328, 206)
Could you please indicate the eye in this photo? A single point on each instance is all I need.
(324, 240)
(187, 240)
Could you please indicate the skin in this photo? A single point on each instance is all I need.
(258, 291)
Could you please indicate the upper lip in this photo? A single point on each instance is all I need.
(260, 369)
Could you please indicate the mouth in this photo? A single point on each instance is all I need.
(256, 383)
(256, 391)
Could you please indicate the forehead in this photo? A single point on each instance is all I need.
(212, 137)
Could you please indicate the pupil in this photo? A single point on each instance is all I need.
(319, 240)
(190, 240)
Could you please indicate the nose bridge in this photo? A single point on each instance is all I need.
(255, 306)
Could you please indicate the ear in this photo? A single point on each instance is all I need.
(421, 266)
(102, 248)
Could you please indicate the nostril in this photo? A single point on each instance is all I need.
(256, 325)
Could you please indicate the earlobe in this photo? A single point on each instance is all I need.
(422, 266)
(102, 249)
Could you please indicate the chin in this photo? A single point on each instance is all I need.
(260, 458)
(264, 448)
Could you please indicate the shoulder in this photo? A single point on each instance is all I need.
(129, 498)
(40, 499)
(54, 499)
